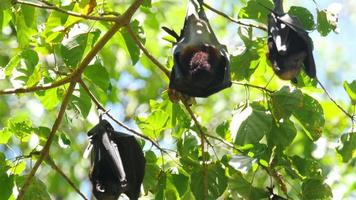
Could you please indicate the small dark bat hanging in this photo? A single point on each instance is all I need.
(289, 45)
(201, 63)
(118, 163)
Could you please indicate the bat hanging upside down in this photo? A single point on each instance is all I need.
(289, 45)
(201, 63)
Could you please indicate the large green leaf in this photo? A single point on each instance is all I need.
(347, 146)
(36, 191)
(282, 134)
(350, 88)
(323, 26)
(98, 75)
(311, 117)
(252, 124)
(154, 123)
(244, 188)
(73, 49)
(315, 189)
(285, 101)
(48, 98)
(82, 102)
(255, 9)
(304, 16)
(217, 182)
(131, 46)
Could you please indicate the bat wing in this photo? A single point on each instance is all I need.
(133, 160)
(296, 26)
(279, 32)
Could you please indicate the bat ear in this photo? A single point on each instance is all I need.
(170, 32)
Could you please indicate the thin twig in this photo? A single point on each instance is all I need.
(120, 21)
(145, 51)
(253, 86)
(48, 5)
(45, 150)
(37, 87)
(203, 140)
(261, 27)
(329, 96)
(101, 107)
(51, 162)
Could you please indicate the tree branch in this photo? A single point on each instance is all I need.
(75, 77)
(261, 27)
(145, 51)
(340, 108)
(48, 5)
(253, 86)
(37, 87)
(70, 182)
(45, 150)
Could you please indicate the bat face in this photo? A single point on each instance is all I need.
(290, 47)
(201, 63)
(117, 163)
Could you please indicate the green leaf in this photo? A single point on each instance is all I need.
(324, 27)
(18, 168)
(131, 46)
(223, 130)
(82, 102)
(6, 185)
(180, 120)
(35, 77)
(73, 49)
(5, 4)
(5, 16)
(166, 188)
(311, 117)
(11, 65)
(303, 167)
(154, 123)
(5, 135)
(282, 134)
(315, 189)
(254, 10)
(22, 128)
(350, 88)
(48, 98)
(245, 189)
(245, 64)
(347, 146)
(26, 26)
(36, 191)
(181, 182)
(152, 171)
(252, 125)
(304, 16)
(64, 140)
(98, 75)
(285, 101)
(147, 3)
(217, 182)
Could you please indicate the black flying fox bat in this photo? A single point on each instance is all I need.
(289, 45)
(118, 163)
(201, 63)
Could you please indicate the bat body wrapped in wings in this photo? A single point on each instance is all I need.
(201, 63)
(289, 45)
(118, 163)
